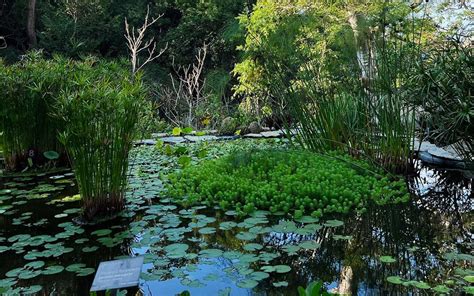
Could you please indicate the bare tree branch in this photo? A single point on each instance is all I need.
(136, 43)
(185, 95)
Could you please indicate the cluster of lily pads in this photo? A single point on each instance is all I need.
(293, 181)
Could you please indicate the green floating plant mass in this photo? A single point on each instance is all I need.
(291, 181)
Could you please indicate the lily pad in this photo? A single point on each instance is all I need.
(333, 223)
(53, 270)
(247, 236)
(247, 284)
(395, 280)
(253, 247)
(387, 259)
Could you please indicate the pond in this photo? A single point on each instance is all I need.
(416, 248)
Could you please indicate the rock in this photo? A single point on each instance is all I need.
(273, 134)
(254, 127)
(256, 136)
(159, 135)
(441, 153)
(200, 138)
(228, 126)
(146, 142)
(173, 140)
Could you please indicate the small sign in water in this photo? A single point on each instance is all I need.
(117, 274)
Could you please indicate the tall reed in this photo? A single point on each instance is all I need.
(28, 90)
(100, 115)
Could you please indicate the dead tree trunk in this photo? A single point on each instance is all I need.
(31, 23)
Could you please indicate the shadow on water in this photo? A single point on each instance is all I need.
(418, 235)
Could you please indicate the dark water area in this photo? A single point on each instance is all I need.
(428, 241)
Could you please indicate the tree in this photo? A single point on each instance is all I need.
(31, 23)
(136, 43)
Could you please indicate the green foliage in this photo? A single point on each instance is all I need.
(100, 117)
(292, 34)
(313, 289)
(290, 181)
(443, 85)
(28, 90)
(321, 91)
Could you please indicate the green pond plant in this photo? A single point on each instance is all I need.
(100, 117)
(293, 181)
(28, 90)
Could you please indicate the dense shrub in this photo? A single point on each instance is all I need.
(292, 181)
(28, 91)
(100, 119)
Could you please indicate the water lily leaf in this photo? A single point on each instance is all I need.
(81, 240)
(102, 232)
(422, 285)
(227, 225)
(75, 267)
(276, 268)
(211, 253)
(51, 155)
(259, 275)
(231, 255)
(178, 247)
(309, 245)
(53, 270)
(285, 227)
(253, 247)
(291, 249)
(282, 268)
(441, 289)
(247, 236)
(90, 249)
(28, 274)
(280, 284)
(14, 272)
(395, 280)
(247, 284)
(35, 264)
(387, 259)
(31, 290)
(248, 258)
(85, 271)
(307, 219)
(207, 230)
(333, 223)
(469, 279)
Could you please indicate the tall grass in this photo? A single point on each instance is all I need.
(100, 115)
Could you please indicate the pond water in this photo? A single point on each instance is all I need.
(415, 248)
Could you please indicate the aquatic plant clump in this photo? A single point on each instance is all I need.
(100, 123)
(294, 181)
